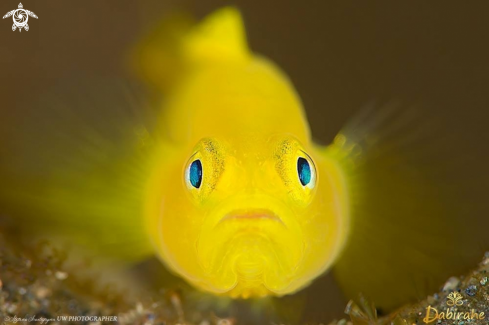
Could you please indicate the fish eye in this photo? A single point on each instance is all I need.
(208, 154)
(296, 169)
(304, 171)
(195, 172)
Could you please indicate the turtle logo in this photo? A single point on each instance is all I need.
(20, 16)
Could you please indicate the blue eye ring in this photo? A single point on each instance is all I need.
(304, 171)
(195, 173)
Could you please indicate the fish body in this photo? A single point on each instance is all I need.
(250, 228)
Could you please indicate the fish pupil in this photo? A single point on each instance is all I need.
(304, 170)
(195, 173)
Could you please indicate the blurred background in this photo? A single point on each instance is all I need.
(341, 55)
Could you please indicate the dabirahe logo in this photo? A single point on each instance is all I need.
(454, 299)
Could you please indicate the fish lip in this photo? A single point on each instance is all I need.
(251, 214)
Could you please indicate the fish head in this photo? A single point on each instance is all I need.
(252, 216)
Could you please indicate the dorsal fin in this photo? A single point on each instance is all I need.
(178, 46)
(220, 37)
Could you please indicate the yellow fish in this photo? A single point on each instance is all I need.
(223, 182)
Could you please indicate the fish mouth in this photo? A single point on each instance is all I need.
(250, 250)
(251, 214)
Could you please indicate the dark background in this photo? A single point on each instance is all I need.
(341, 55)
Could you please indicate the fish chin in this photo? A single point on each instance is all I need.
(250, 253)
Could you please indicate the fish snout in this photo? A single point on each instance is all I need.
(250, 215)
(250, 245)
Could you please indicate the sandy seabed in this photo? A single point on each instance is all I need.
(35, 288)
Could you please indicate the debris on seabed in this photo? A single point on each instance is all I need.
(34, 285)
(460, 299)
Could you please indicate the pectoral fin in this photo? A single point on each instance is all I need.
(74, 166)
(412, 223)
